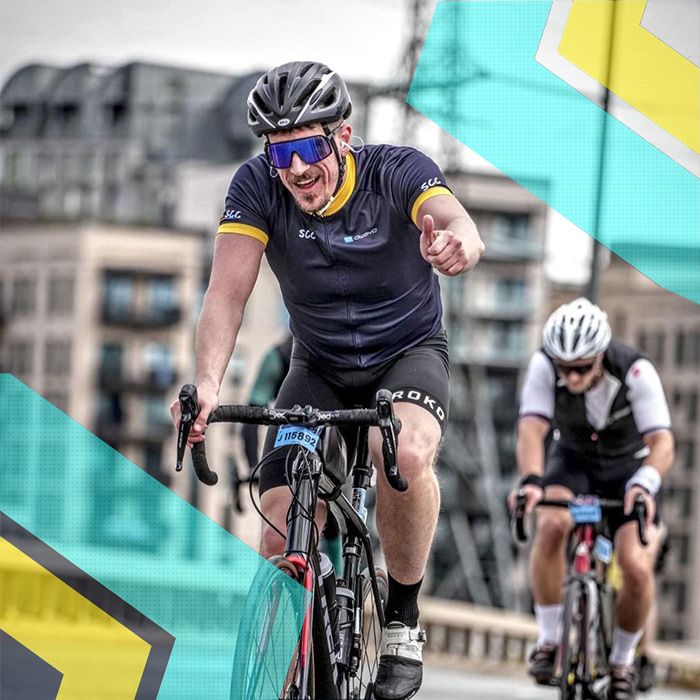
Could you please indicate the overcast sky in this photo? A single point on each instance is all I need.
(360, 39)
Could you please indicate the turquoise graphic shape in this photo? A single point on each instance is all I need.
(477, 78)
(136, 537)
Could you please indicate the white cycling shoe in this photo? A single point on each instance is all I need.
(400, 671)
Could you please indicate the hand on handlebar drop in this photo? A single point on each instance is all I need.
(649, 502)
(208, 400)
(533, 495)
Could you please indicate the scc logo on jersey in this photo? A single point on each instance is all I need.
(232, 215)
(430, 183)
(305, 233)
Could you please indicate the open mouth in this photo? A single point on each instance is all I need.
(306, 184)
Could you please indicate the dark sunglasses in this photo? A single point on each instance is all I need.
(580, 369)
(311, 149)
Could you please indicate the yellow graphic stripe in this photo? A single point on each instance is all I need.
(346, 189)
(424, 196)
(245, 230)
(645, 72)
(98, 656)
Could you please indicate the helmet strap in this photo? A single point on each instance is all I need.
(341, 161)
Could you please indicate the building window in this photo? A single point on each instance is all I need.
(511, 291)
(680, 348)
(61, 293)
(57, 357)
(508, 337)
(20, 358)
(156, 410)
(118, 296)
(692, 406)
(111, 361)
(513, 227)
(161, 297)
(23, 296)
(642, 343)
(58, 399)
(685, 454)
(158, 364)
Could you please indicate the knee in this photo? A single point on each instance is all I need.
(416, 459)
(552, 531)
(636, 575)
(271, 542)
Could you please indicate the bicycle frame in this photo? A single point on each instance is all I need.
(298, 551)
(585, 577)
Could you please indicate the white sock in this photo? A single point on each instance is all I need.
(548, 619)
(623, 646)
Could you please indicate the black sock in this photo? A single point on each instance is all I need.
(402, 605)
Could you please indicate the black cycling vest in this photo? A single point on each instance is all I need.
(620, 437)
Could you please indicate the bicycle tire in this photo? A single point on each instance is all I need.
(572, 645)
(257, 667)
(360, 685)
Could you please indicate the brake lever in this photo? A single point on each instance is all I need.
(640, 514)
(389, 425)
(517, 518)
(189, 410)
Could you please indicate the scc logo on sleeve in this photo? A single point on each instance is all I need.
(232, 215)
(430, 183)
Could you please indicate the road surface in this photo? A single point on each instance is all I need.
(442, 684)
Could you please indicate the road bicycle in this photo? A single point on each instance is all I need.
(581, 664)
(337, 653)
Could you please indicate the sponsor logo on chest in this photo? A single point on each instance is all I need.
(360, 236)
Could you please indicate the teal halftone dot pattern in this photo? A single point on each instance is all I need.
(136, 537)
(477, 78)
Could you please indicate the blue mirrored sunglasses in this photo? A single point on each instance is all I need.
(311, 149)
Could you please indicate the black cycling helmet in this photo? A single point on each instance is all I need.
(294, 94)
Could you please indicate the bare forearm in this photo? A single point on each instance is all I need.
(217, 330)
(529, 450)
(661, 451)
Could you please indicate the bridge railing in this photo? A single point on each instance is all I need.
(463, 633)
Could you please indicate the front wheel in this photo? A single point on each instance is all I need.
(359, 683)
(269, 629)
(572, 648)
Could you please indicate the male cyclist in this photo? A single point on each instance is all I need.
(354, 237)
(612, 438)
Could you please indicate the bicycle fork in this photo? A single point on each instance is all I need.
(350, 599)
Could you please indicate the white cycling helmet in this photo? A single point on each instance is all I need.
(576, 331)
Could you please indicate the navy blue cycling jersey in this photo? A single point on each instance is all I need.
(354, 282)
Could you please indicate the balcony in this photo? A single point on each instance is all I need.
(153, 381)
(503, 309)
(503, 249)
(140, 319)
(145, 434)
(488, 355)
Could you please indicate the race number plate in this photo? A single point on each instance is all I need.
(295, 435)
(603, 549)
(586, 512)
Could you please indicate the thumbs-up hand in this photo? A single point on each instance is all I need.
(442, 249)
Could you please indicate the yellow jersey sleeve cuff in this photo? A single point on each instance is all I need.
(245, 230)
(424, 196)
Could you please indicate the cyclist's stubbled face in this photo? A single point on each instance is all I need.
(312, 185)
(576, 382)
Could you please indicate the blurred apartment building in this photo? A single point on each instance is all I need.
(494, 318)
(112, 183)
